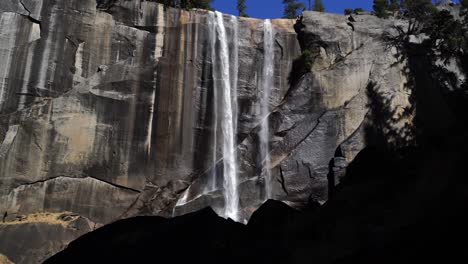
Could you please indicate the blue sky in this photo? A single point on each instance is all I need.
(274, 8)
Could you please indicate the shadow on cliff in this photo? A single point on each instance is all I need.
(403, 198)
(388, 209)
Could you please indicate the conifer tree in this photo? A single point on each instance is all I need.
(202, 4)
(419, 13)
(292, 8)
(394, 6)
(380, 8)
(242, 7)
(318, 6)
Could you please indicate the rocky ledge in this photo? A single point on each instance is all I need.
(113, 111)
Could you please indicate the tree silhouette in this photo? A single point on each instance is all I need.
(292, 8)
(394, 6)
(318, 6)
(380, 8)
(241, 8)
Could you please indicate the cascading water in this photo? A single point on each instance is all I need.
(234, 72)
(224, 58)
(267, 83)
(211, 186)
(231, 207)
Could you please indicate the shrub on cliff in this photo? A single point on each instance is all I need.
(242, 7)
(301, 65)
(380, 8)
(292, 8)
(318, 6)
(188, 4)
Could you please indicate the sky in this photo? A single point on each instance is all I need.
(274, 8)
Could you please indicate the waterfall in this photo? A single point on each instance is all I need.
(233, 211)
(224, 58)
(267, 83)
(211, 186)
(231, 195)
(235, 71)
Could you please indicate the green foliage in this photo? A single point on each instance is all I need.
(448, 36)
(419, 13)
(417, 9)
(318, 6)
(446, 42)
(380, 8)
(301, 65)
(188, 4)
(394, 6)
(202, 4)
(359, 9)
(306, 57)
(292, 8)
(349, 11)
(241, 8)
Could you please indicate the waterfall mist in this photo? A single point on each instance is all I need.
(223, 78)
(267, 82)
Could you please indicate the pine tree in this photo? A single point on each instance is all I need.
(419, 13)
(318, 6)
(380, 8)
(417, 9)
(359, 9)
(202, 4)
(241, 7)
(292, 8)
(394, 6)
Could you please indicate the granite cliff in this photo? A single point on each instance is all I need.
(131, 108)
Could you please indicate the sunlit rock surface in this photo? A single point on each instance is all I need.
(109, 112)
(34, 238)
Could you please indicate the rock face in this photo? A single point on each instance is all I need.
(34, 238)
(389, 208)
(119, 111)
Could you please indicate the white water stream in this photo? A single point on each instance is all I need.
(267, 83)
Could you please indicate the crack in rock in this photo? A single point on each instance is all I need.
(282, 181)
(76, 178)
(32, 19)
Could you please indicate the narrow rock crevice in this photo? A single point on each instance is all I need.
(341, 59)
(310, 133)
(32, 19)
(311, 175)
(282, 181)
(87, 177)
(355, 131)
(291, 150)
(281, 48)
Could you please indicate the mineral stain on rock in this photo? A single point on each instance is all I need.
(117, 110)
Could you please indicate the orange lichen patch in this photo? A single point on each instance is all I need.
(63, 219)
(5, 260)
(286, 24)
(79, 132)
(253, 23)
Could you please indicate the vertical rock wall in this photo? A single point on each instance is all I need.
(109, 112)
(113, 112)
